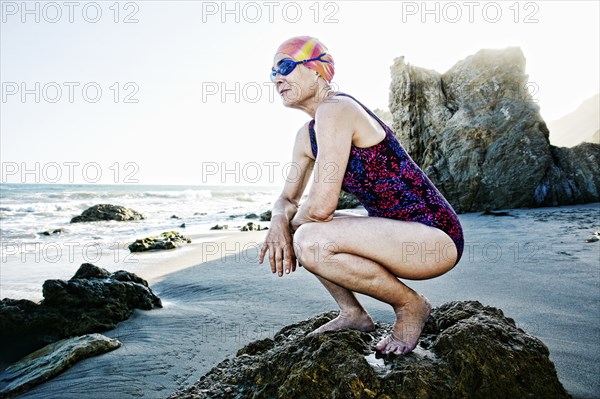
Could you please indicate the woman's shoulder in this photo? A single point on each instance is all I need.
(338, 105)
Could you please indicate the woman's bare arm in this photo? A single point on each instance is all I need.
(279, 239)
(334, 128)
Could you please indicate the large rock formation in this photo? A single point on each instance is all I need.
(107, 212)
(93, 300)
(52, 360)
(466, 350)
(477, 133)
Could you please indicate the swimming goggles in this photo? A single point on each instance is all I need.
(287, 66)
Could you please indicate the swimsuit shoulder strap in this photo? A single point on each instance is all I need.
(313, 138)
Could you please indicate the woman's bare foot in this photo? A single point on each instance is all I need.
(354, 320)
(410, 320)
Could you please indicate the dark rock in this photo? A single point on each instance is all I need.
(107, 212)
(347, 201)
(182, 225)
(593, 238)
(92, 301)
(466, 350)
(175, 217)
(478, 135)
(52, 232)
(265, 216)
(167, 240)
(251, 216)
(52, 360)
(90, 271)
(251, 226)
(487, 212)
(200, 213)
(220, 227)
(573, 176)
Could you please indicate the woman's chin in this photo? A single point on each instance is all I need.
(288, 102)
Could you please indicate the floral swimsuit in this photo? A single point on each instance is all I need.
(389, 184)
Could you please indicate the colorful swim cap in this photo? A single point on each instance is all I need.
(305, 47)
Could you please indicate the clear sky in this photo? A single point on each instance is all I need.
(177, 92)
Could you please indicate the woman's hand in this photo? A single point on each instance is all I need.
(280, 246)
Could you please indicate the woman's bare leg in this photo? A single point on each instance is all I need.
(352, 314)
(368, 255)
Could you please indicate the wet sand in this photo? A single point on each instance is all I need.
(535, 265)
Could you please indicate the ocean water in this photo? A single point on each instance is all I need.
(26, 210)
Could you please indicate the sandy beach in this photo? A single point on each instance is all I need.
(536, 265)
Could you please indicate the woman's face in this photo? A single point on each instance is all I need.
(299, 85)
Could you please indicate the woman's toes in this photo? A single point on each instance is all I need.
(382, 344)
(390, 344)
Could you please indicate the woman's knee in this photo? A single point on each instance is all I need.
(311, 246)
(303, 245)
